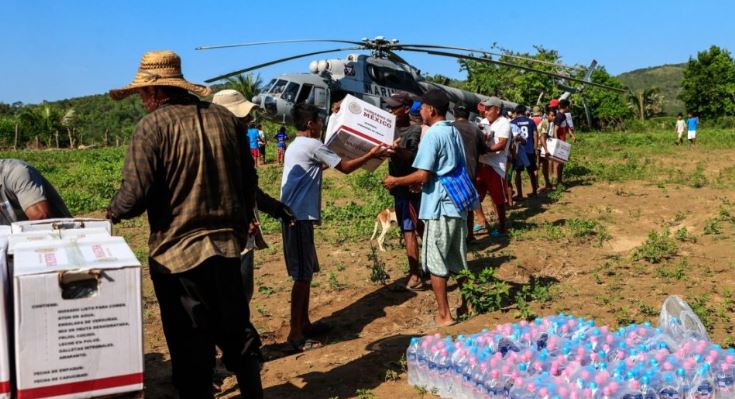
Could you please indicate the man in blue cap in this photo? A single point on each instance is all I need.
(407, 203)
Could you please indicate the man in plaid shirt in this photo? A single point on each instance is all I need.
(189, 167)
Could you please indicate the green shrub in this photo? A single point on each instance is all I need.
(656, 248)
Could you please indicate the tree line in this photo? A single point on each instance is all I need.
(707, 89)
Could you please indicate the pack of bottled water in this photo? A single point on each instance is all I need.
(568, 357)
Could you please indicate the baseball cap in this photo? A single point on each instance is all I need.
(437, 99)
(554, 103)
(399, 98)
(492, 102)
(415, 109)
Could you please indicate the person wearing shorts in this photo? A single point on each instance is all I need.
(527, 128)
(444, 247)
(281, 139)
(692, 122)
(681, 127)
(406, 203)
(301, 191)
(492, 168)
(253, 137)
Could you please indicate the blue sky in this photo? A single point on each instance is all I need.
(53, 50)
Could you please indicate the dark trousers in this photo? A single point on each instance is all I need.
(201, 308)
(247, 269)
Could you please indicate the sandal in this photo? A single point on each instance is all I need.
(498, 234)
(478, 228)
(317, 329)
(417, 287)
(303, 344)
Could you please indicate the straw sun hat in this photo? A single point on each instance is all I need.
(159, 68)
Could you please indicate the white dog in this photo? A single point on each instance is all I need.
(384, 219)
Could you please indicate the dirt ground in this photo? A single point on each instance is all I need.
(373, 322)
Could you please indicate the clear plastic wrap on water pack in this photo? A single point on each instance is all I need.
(563, 356)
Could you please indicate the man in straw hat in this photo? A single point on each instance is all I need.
(189, 167)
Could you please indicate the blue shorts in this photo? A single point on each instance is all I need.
(407, 212)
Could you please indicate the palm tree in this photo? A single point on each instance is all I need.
(70, 121)
(248, 85)
(50, 119)
(646, 102)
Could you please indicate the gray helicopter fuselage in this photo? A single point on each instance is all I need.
(369, 78)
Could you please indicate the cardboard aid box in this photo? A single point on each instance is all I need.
(44, 235)
(357, 128)
(78, 319)
(4, 321)
(61, 224)
(558, 150)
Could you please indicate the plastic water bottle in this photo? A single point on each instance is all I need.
(703, 383)
(412, 361)
(725, 382)
(669, 388)
(442, 373)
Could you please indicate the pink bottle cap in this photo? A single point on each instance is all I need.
(634, 384)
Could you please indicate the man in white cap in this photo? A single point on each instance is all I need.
(492, 166)
(188, 166)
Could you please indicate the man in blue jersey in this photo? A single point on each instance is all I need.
(692, 122)
(527, 128)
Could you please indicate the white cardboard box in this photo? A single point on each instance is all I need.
(357, 128)
(61, 224)
(558, 150)
(45, 235)
(77, 347)
(4, 322)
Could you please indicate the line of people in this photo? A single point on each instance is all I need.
(491, 150)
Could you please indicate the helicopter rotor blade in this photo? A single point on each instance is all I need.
(396, 58)
(277, 42)
(278, 61)
(518, 57)
(510, 65)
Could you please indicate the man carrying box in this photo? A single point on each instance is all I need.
(407, 203)
(563, 125)
(301, 191)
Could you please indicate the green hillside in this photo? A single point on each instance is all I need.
(665, 77)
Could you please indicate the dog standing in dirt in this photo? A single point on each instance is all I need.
(384, 219)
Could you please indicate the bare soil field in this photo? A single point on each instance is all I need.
(591, 242)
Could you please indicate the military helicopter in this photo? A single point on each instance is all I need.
(378, 75)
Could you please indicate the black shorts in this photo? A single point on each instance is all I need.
(532, 164)
(299, 250)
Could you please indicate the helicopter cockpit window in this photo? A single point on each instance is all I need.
(390, 77)
(318, 97)
(278, 87)
(290, 93)
(267, 87)
(304, 93)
